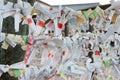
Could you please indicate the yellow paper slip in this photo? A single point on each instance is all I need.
(5, 45)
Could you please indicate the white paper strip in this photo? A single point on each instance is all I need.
(57, 31)
(19, 65)
(4, 68)
(20, 4)
(117, 69)
(8, 6)
(44, 11)
(117, 23)
(32, 55)
(17, 21)
(32, 27)
(1, 73)
(1, 4)
(2, 37)
(111, 14)
(1, 22)
(8, 13)
(110, 31)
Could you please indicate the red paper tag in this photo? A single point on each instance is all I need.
(40, 23)
(60, 25)
(28, 49)
(29, 20)
(49, 54)
(51, 8)
(52, 55)
(97, 52)
(45, 43)
(63, 53)
(62, 12)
